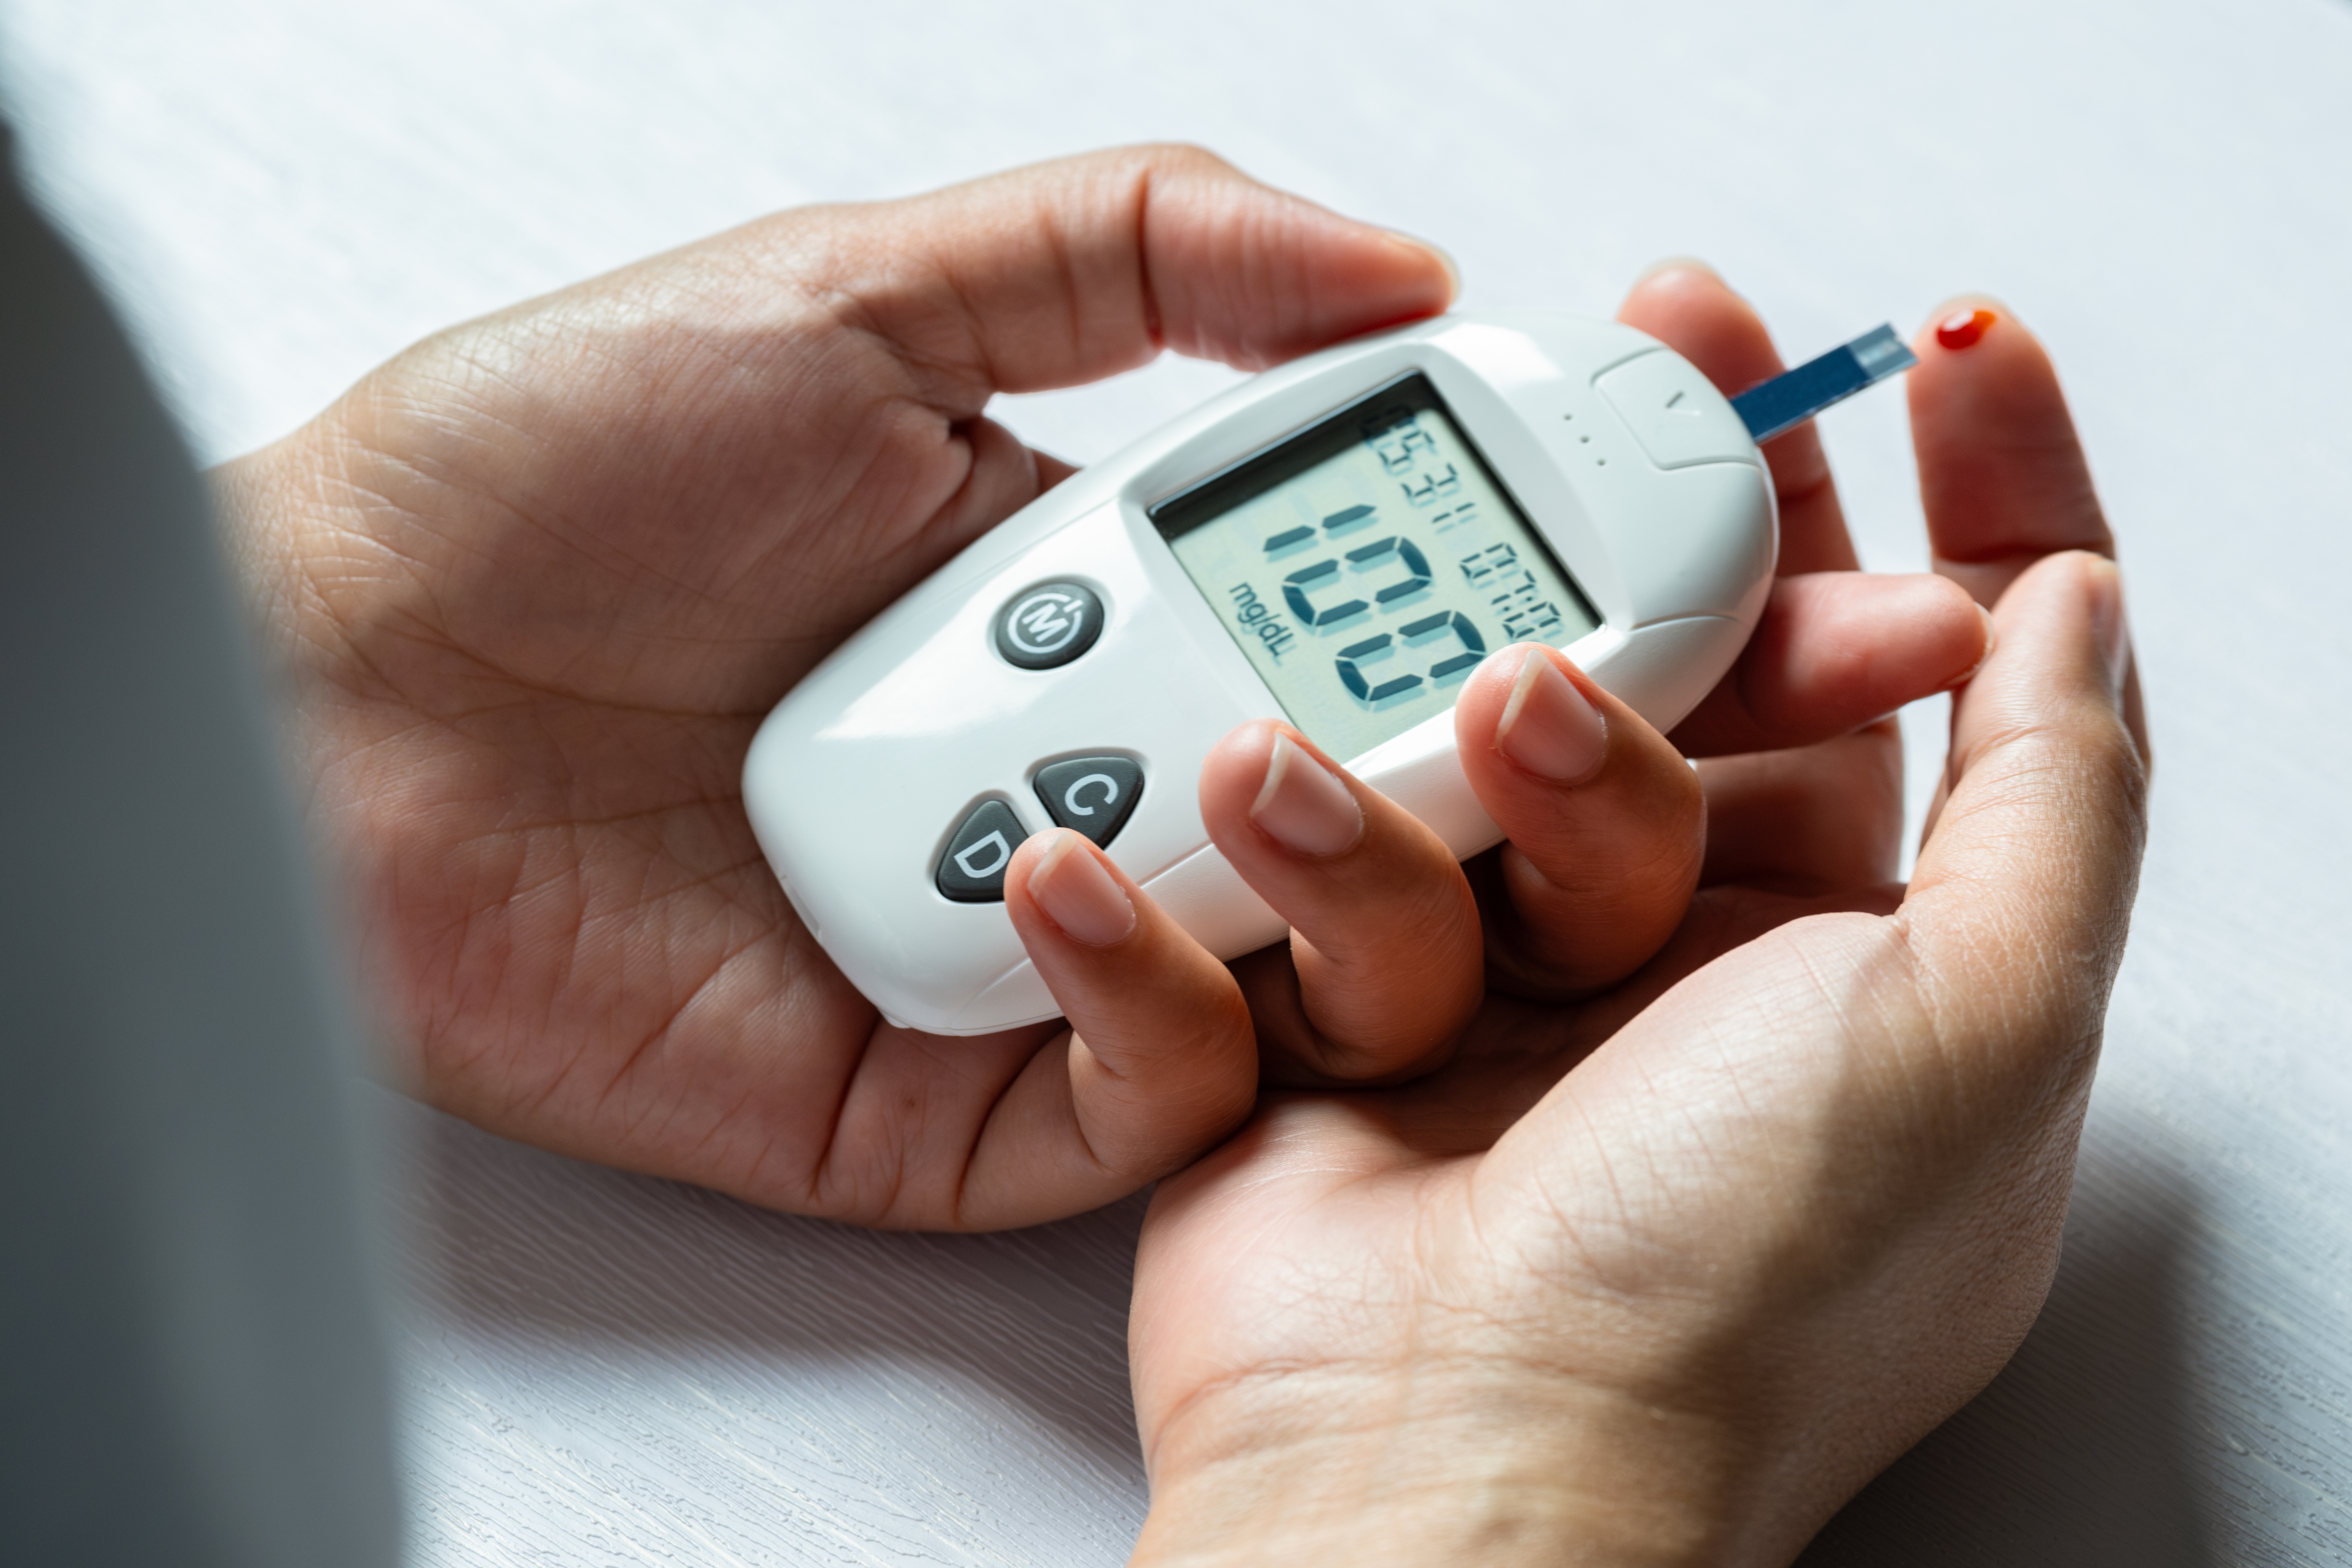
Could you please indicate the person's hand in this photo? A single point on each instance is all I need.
(1664, 1274)
(1394, 952)
(540, 578)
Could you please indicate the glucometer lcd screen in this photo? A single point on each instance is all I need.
(1367, 563)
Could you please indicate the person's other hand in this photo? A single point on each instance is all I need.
(1664, 1274)
(541, 577)
(1393, 952)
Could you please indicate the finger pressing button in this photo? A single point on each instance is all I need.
(971, 870)
(1092, 795)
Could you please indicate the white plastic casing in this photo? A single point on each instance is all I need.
(1635, 469)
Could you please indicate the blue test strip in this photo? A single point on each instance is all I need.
(1794, 396)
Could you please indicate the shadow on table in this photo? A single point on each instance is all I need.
(2078, 1453)
(537, 1261)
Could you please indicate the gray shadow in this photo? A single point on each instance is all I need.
(2079, 1455)
(518, 1255)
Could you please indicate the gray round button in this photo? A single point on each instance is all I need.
(1049, 625)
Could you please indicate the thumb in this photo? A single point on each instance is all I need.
(1159, 1062)
(2023, 891)
(1068, 272)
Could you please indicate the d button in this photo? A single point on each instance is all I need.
(1092, 795)
(972, 870)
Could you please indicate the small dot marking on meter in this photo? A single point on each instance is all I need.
(1048, 626)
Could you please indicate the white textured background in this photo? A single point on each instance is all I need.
(607, 1370)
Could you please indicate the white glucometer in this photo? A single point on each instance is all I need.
(1339, 542)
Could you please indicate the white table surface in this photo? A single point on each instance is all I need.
(602, 1369)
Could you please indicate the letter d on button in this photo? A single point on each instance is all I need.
(994, 848)
(971, 869)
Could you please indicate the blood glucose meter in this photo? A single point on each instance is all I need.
(1338, 543)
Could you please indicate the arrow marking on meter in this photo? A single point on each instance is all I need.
(1070, 796)
(980, 873)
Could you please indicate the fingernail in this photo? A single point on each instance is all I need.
(2108, 624)
(1964, 327)
(1548, 727)
(1666, 264)
(1076, 894)
(1303, 805)
(1992, 641)
(1452, 268)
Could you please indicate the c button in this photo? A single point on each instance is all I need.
(1092, 795)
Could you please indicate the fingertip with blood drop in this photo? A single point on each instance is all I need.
(1965, 327)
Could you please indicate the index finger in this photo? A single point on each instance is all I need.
(2001, 474)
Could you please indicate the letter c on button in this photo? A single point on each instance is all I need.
(978, 873)
(1070, 796)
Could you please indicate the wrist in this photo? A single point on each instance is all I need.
(1499, 1466)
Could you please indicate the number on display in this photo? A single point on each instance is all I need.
(1451, 627)
(1513, 592)
(1386, 574)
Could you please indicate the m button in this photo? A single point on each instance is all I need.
(1092, 795)
(1048, 626)
(971, 871)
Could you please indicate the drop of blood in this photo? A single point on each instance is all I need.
(1962, 328)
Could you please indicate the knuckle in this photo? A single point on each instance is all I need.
(1181, 157)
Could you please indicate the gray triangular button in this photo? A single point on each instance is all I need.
(1092, 795)
(972, 870)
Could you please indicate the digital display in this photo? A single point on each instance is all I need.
(1367, 564)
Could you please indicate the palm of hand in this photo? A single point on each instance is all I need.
(1508, 1215)
(1761, 1213)
(1746, 1213)
(543, 577)
(575, 578)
